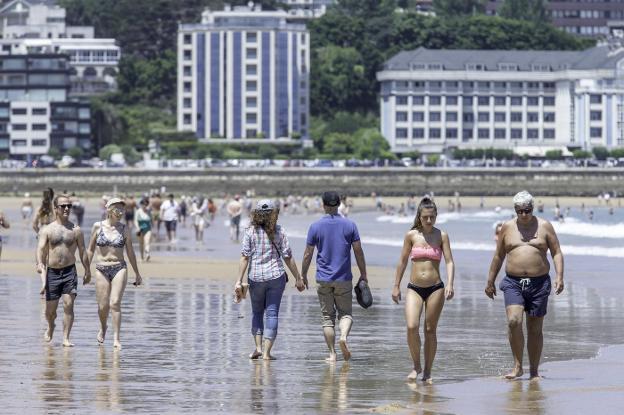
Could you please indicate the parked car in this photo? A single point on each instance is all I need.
(324, 163)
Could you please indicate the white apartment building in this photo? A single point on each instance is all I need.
(38, 26)
(243, 75)
(432, 100)
(308, 9)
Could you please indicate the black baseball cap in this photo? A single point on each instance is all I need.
(331, 199)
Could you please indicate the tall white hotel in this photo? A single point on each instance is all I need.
(432, 100)
(243, 76)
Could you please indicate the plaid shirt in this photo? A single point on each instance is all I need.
(264, 259)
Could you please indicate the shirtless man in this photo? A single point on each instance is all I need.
(235, 211)
(58, 242)
(525, 242)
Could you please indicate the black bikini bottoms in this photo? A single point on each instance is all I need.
(109, 271)
(425, 292)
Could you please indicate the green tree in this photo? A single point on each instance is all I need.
(107, 151)
(338, 145)
(581, 154)
(458, 7)
(75, 152)
(554, 154)
(617, 152)
(530, 10)
(601, 153)
(267, 151)
(130, 154)
(368, 143)
(54, 152)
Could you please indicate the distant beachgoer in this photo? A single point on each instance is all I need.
(264, 246)
(212, 209)
(143, 223)
(481, 202)
(78, 209)
(343, 209)
(497, 230)
(525, 242)
(583, 207)
(235, 211)
(4, 224)
(45, 213)
(56, 262)
(540, 207)
(198, 215)
(169, 211)
(424, 244)
(590, 216)
(108, 240)
(334, 236)
(27, 207)
(183, 209)
(129, 211)
(155, 204)
(411, 205)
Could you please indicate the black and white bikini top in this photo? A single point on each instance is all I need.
(102, 239)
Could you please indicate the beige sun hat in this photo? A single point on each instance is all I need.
(113, 201)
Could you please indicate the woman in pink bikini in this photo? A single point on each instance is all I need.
(424, 244)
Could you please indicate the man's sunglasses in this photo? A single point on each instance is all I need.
(68, 206)
(526, 211)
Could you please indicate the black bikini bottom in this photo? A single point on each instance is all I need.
(425, 292)
(109, 271)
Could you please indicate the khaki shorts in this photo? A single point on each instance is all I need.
(335, 296)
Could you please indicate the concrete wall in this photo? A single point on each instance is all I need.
(385, 181)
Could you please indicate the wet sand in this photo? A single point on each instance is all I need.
(185, 346)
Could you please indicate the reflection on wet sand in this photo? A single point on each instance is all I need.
(334, 395)
(57, 387)
(264, 396)
(107, 393)
(524, 397)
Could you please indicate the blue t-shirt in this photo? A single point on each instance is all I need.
(333, 235)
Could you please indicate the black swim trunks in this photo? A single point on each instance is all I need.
(61, 281)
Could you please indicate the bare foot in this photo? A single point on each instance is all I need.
(67, 343)
(413, 375)
(535, 378)
(515, 373)
(49, 333)
(331, 358)
(346, 353)
(255, 354)
(267, 357)
(427, 379)
(101, 334)
(117, 344)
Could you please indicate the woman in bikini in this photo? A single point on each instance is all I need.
(424, 244)
(108, 240)
(45, 215)
(143, 222)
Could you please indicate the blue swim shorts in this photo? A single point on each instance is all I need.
(532, 293)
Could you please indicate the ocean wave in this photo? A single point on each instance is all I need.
(573, 226)
(444, 217)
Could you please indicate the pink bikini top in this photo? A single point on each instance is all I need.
(421, 252)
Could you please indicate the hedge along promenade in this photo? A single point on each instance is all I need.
(312, 181)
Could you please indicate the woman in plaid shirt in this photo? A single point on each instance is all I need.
(264, 246)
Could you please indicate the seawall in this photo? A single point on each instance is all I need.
(384, 181)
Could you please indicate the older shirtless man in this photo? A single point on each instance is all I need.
(525, 242)
(58, 242)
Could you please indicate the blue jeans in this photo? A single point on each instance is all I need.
(266, 297)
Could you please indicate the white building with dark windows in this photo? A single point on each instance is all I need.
(38, 26)
(433, 100)
(243, 75)
(308, 9)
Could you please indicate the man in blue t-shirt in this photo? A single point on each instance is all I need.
(333, 236)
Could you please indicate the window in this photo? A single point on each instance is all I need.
(515, 101)
(401, 100)
(418, 116)
(188, 55)
(418, 133)
(468, 117)
(19, 143)
(595, 132)
(251, 133)
(39, 127)
(595, 115)
(483, 100)
(187, 119)
(451, 100)
(252, 37)
(434, 100)
(507, 67)
(516, 117)
(19, 111)
(84, 128)
(500, 85)
(187, 103)
(549, 101)
(435, 85)
(549, 117)
(484, 117)
(516, 85)
(533, 101)
(499, 117)
(500, 100)
(39, 111)
(401, 133)
(451, 133)
(483, 85)
(549, 133)
(187, 87)
(451, 84)
(516, 133)
(467, 133)
(252, 53)
(251, 118)
(451, 116)
(18, 127)
(251, 69)
(187, 39)
(532, 133)
(434, 116)
(251, 86)
(39, 143)
(251, 102)
(483, 133)
(595, 99)
(418, 100)
(499, 133)
(187, 71)
(401, 116)
(533, 85)
(467, 101)
(435, 133)
(532, 117)
(4, 112)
